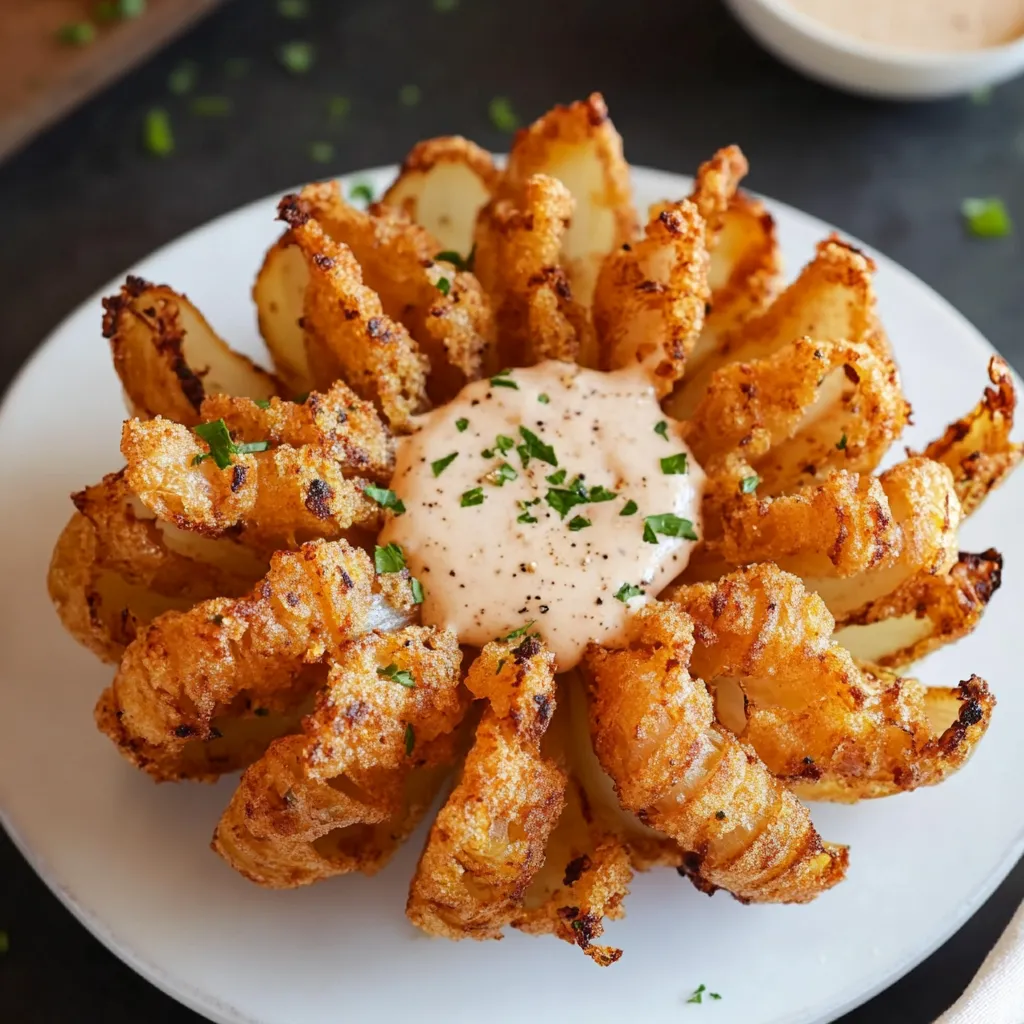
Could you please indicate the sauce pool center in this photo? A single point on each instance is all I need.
(551, 495)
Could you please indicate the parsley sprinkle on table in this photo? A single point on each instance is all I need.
(217, 436)
(157, 136)
(397, 675)
(297, 56)
(321, 152)
(474, 496)
(987, 218)
(444, 286)
(293, 9)
(389, 558)
(211, 106)
(627, 592)
(673, 465)
(409, 95)
(629, 509)
(699, 992)
(385, 498)
(119, 10)
(338, 107)
(183, 78)
(438, 466)
(445, 6)
(578, 523)
(749, 484)
(502, 116)
(461, 424)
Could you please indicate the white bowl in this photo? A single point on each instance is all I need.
(872, 70)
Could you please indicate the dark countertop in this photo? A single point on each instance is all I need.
(84, 202)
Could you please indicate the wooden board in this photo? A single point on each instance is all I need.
(42, 78)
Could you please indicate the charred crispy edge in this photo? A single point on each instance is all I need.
(113, 305)
(294, 210)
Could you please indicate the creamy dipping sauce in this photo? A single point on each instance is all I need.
(569, 498)
(936, 25)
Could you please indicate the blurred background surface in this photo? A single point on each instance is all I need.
(250, 114)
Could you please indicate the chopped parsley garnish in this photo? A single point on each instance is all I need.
(397, 675)
(662, 428)
(438, 466)
(77, 33)
(749, 484)
(627, 592)
(503, 380)
(668, 525)
(293, 8)
(502, 116)
(182, 79)
(297, 56)
(517, 633)
(338, 107)
(321, 152)
(501, 665)
(157, 136)
(361, 190)
(417, 590)
(461, 424)
(536, 448)
(385, 498)
(120, 10)
(410, 739)
(457, 261)
(600, 493)
(673, 465)
(388, 559)
(211, 106)
(409, 95)
(474, 496)
(445, 6)
(444, 286)
(487, 453)
(987, 218)
(543, 399)
(263, 403)
(217, 436)
(578, 523)
(557, 477)
(504, 443)
(841, 444)
(502, 474)
(629, 509)
(698, 994)
(525, 517)
(561, 499)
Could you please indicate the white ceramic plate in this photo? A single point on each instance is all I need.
(131, 859)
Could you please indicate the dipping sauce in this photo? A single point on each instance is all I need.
(552, 494)
(935, 25)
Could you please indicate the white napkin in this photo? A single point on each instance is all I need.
(996, 995)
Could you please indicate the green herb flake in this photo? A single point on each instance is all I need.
(444, 286)
(600, 493)
(389, 558)
(237, 67)
(218, 438)
(397, 675)
(293, 9)
(157, 135)
(749, 484)
(536, 448)
(627, 592)
(502, 380)
(629, 509)
(438, 466)
(578, 523)
(502, 116)
(410, 739)
(385, 498)
(674, 465)
(120, 10)
(297, 56)
(445, 6)
(263, 403)
(183, 78)
(77, 33)
(457, 261)
(361, 191)
(525, 517)
(409, 95)
(461, 424)
(668, 525)
(556, 478)
(517, 633)
(338, 107)
(562, 499)
(487, 453)
(662, 428)
(698, 994)
(417, 590)
(987, 218)
(211, 106)
(504, 443)
(841, 444)
(321, 152)
(714, 995)
(502, 474)
(474, 496)
(501, 665)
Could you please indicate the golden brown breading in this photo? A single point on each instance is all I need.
(654, 731)
(343, 794)
(168, 357)
(443, 307)
(925, 613)
(833, 299)
(443, 184)
(853, 538)
(269, 500)
(517, 261)
(651, 295)
(977, 448)
(811, 407)
(336, 420)
(347, 333)
(579, 146)
(488, 839)
(810, 712)
(190, 674)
